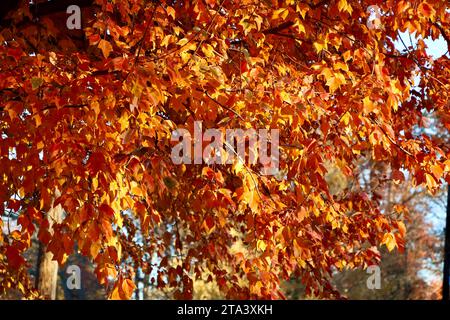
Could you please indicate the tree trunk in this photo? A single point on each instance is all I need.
(446, 277)
(48, 269)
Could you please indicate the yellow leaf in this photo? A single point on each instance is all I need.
(347, 55)
(185, 56)
(319, 46)
(286, 97)
(437, 171)
(368, 105)
(261, 245)
(135, 189)
(94, 183)
(303, 9)
(283, 13)
(258, 21)
(123, 121)
(166, 40)
(182, 42)
(115, 295)
(238, 166)
(246, 25)
(326, 73)
(300, 27)
(208, 50)
(431, 182)
(344, 6)
(171, 12)
(389, 241)
(186, 46)
(335, 82)
(340, 65)
(346, 118)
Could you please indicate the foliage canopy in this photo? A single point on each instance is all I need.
(86, 118)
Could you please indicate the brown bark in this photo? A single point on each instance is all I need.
(446, 273)
(48, 268)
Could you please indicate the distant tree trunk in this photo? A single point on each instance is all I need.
(48, 269)
(446, 279)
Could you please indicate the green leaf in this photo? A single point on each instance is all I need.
(36, 83)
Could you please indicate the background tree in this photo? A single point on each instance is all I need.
(414, 274)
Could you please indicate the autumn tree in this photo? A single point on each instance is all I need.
(86, 118)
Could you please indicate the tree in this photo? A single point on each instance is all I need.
(415, 274)
(48, 268)
(446, 271)
(90, 114)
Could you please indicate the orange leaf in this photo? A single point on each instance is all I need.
(123, 290)
(128, 287)
(106, 47)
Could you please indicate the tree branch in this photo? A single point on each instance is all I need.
(444, 34)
